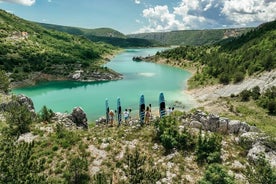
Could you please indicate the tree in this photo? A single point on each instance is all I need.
(77, 171)
(18, 118)
(245, 95)
(136, 170)
(46, 114)
(4, 82)
(208, 148)
(17, 164)
(216, 174)
(256, 92)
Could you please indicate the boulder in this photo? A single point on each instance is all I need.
(195, 124)
(248, 139)
(78, 116)
(24, 100)
(213, 122)
(258, 149)
(234, 126)
(101, 120)
(244, 127)
(223, 125)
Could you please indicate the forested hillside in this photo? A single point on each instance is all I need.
(106, 35)
(26, 47)
(191, 37)
(229, 60)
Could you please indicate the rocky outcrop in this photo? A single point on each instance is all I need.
(215, 123)
(19, 101)
(257, 144)
(77, 118)
(250, 137)
(24, 100)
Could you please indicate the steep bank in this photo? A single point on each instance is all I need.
(264, 80)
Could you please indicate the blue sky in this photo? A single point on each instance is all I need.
(133, 16)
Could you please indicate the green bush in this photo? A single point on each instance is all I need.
(18, 118)
(245, 95)
(4, 81)
(46, 114)
(137, 170)
(208, 148)
(170, 137)
(216, 174)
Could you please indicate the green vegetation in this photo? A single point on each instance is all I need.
(4, 82)
(191, 37)
(231, 60)
(17, 164)
(261, 172)
(170, 137)
(216, 174)
(26, 47)
(124, 154)
(18, 118)
(136, 170)
(267, 100)
(105, 35)
(208, 148)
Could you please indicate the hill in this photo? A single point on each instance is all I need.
(191, 37)
(47, 148)
(230, 60)
(106, 35)
(27, 49)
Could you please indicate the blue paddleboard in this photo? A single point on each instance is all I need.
(119, 110)
(162, 105)
(107, 110)
(142, 109)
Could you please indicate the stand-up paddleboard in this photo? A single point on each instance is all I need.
(142, 109)
(162, 105)
(107, 111)
(119, 111)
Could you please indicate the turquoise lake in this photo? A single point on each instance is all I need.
(139, 78)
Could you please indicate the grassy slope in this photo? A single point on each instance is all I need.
(106, 35)
(191, 37)
(45, 51)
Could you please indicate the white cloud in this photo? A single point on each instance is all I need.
(137, 1)
(23, 2)
(249, 11)
(206, 14)
(49, 1)
(160, 19)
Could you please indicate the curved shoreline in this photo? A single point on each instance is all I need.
(76, 75)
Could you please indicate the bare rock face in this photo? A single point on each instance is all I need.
(24, 100)
(78, 116)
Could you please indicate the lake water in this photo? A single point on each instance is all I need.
(139, 78)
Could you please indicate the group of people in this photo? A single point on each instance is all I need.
(127, 116)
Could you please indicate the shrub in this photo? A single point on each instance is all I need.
(208, 148)
(216, 174)
(137, 170)
(245, 95)
(4, 82)
(170, 137)
(238, 77)
(46, 114)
